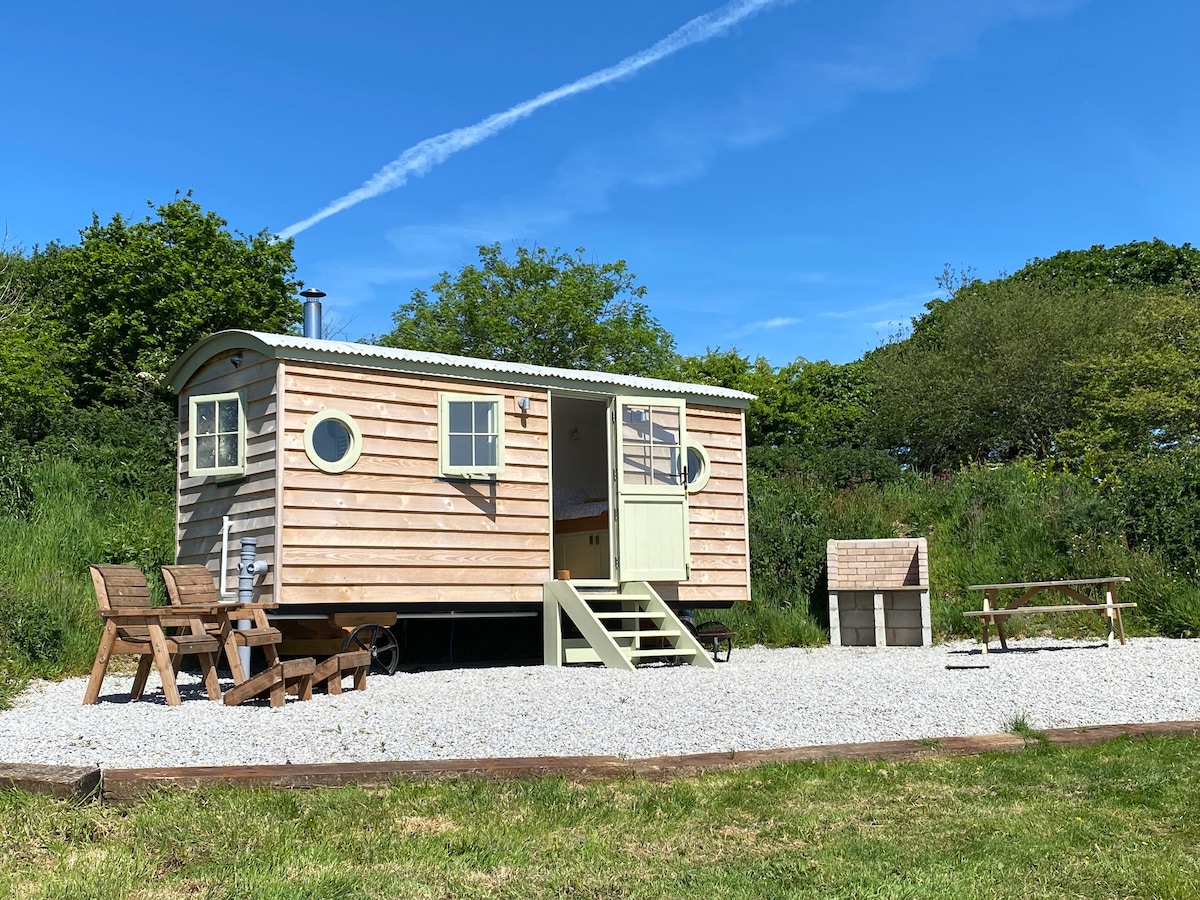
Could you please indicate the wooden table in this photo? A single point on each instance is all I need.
(994, 614)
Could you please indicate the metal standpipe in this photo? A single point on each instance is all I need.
(248, 567)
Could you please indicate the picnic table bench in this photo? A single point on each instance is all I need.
(994, 614)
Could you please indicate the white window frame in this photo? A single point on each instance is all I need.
(444, 468)
(353, 452)
(234, 471)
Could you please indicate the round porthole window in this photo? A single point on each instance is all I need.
(332, 441)
(698, 466)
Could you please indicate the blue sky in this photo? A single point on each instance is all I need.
(791, 186)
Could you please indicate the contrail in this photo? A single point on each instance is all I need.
(420, 158)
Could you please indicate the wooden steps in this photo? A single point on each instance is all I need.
(621, 628)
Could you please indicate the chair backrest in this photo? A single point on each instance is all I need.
(190, 585)
(122, 587)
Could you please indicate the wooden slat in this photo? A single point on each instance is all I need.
(717, 561)
(370, 378)
(402, 577)
(431, 593)
(1066, 608)
(452, 503)
(323, 537)
(413, 521)
(393, 485)
(365, 558)
(705, 515)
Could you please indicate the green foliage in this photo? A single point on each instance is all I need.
(991, 376)
(132, 296)
(809, 404)
(545, 307)
(1160, 495)
(1138, 264)
(1089, 357)
(16, 481)
(1140, 389)
(33, 389)
(984, 525)
(48, 625)
(118, 450)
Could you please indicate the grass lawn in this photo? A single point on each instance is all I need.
(1118, 820)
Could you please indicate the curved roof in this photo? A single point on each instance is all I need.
(290, 347)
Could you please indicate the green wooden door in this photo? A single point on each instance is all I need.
(652, 512)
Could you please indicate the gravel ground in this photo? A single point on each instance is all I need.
(761, 699)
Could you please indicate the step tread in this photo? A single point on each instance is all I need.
(648, 633)
(665, 651)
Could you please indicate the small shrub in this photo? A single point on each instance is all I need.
(32, 629)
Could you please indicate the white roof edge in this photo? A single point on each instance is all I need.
(286, 346)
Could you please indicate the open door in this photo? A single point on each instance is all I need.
(652, 512)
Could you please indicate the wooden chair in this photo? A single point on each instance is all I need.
(189, 585)
(133, 627)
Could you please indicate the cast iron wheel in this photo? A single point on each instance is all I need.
(380, 642)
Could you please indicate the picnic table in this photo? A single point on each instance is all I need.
(994, 614)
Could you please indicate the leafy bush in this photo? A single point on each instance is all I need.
(1161, 498)
(119, 451)
(31, 628)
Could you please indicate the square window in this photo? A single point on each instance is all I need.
(470, 435)
(217, 435)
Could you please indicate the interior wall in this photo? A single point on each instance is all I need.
(580, 444)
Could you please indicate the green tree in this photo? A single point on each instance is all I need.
(132, 296)
(1087, 352)
(547, 308)
(816, 405)
(33, 389)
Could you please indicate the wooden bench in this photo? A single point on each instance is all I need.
(329, 672)
(994, 614)
(276, 680)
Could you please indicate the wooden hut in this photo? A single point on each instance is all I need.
(382, 482)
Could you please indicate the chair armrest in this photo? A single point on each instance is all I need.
(158, 612)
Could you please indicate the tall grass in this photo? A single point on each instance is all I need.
(47, 608)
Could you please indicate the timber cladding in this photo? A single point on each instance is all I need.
(390, 529)
(204, 501)
(718, 534)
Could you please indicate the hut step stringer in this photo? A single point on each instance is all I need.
(619, 628)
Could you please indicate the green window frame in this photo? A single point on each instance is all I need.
(332, 441)
(470, 435)
(217, 435)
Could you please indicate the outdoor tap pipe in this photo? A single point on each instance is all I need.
(248, 567)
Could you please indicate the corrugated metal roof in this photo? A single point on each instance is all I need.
(285, 346)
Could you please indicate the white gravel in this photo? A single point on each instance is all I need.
(761, 699)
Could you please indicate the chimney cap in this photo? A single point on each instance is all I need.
(312, 294)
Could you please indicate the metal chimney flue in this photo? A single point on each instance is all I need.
(312, 312)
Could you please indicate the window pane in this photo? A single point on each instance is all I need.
(331, 440)
(206, 417)
(206, 452)
(666, 425)
(695, 463)
(227, 450)
(228, 417)
(666, 465)
(485, 418)
(635, 466)
(460, 450)
(635, 424)
(485, 450)
(460, 417)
